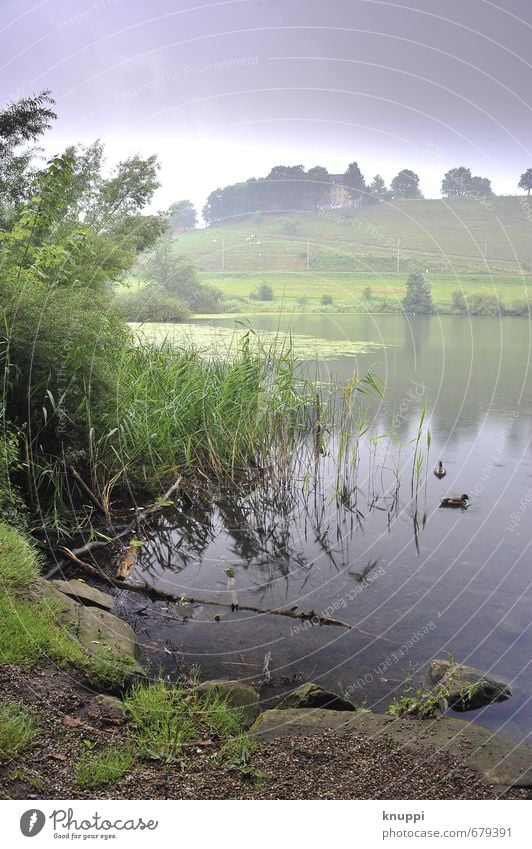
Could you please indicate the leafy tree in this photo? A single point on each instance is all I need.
(378, 188)
(459, 182)
(182, 215)
(89, 226)
(455, 182)
(354, 181)
(406, 185)
(316, 181)
(418, 295)
(166, 270)
(480, 187)
(525, 180)
(20, 123)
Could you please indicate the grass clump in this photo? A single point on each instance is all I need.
(109, 765)
(177, 412)
(19, 565)
(18, 729)
(422, 704)
(166, 718)
(237, 753)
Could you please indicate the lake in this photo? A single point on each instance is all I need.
(416, 583)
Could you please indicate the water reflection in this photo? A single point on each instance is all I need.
(360, 540)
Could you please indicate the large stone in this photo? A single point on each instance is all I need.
(237, 695)
(84, 594)
(109, 638)
(466, 688)
(497, 760)
(312, 696)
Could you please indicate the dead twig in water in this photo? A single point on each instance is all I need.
(140, 516)
(311, 616)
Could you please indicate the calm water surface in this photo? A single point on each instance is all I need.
(422, 583)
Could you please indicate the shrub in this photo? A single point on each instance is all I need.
(327, 300)
(459, 301)
(263, 293)
(367, 294)
(150, 304)
(480, 303)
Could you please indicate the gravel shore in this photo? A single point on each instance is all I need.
(325, 766)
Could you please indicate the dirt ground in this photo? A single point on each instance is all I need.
(319, 767)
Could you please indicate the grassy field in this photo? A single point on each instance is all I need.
(446, 236)
(305, 291)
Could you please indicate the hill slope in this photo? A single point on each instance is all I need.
(444, 235)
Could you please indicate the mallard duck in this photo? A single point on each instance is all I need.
(456, 501)
(439, 471)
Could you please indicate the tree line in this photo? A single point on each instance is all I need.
(292, 188)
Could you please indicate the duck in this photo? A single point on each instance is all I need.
(439, 471)
(456, 501)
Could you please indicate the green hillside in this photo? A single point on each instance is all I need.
(446, 236)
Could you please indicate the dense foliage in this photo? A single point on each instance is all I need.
(418, 295)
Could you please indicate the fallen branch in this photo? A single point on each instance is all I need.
(311, 616)
(140, 516)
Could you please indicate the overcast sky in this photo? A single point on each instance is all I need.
(223, 91)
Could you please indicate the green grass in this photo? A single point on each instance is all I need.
(108, 765)
(32, 630)
(304, 292)
(431, 232)
(178, 412)
(18, 729)
(165, 718)
(19, 564)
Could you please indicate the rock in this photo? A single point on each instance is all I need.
(312, 696)
(498, 760)
(237, 695)
(84, 594)
(468, 688)
(109, 638)
(108, 709)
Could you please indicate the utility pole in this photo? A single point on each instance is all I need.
(308, 254)
(223, 255)
(485, 271)
(398, 253)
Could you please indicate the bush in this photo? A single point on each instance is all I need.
(327, 300)
(481, 304)
(523, 307)
(367, 294)
(263, 293)
(288, 226)
(459, 301)
(149, 304)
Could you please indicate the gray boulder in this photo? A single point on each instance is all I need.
(84, 594)
(313, 696)
(108, 638)
(237, 695)
(467, 688)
